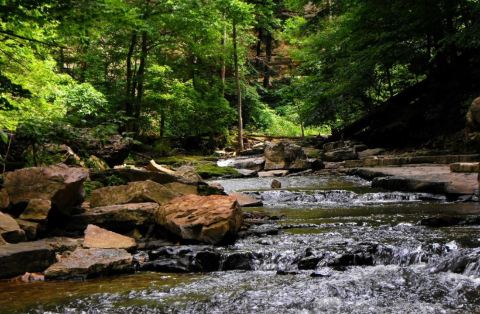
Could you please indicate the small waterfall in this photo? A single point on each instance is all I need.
(285, 198)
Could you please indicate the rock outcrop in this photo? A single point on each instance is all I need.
(134, 192)
(285, 156)
(89, 263)
(209, 219)
(59, 184)
(99, 238)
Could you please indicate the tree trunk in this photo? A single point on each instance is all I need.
(140, 78)
(259, 47)
(237, 82)
(128, 85)
(223, 70)
(268, 59)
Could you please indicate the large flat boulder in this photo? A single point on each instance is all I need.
(210, 219)
(119, 218)
(134, 192)
(99, 238)
(60, 184)
(286, 156)
(89, 263)
(10, 230)
(36, 256)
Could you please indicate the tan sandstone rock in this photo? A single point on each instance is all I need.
(60, 184)
(10, 230)
(96, 237)
(134, 192)
(37, 210)
(88, 263)
(210, 219)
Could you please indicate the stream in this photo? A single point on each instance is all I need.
(335, 246)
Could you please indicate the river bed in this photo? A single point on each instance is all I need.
(372, 257)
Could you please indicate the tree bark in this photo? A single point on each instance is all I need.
(259, 47)
(268, 59)
(140, 78)
(223, 70)
(128, 85)
(239, 91)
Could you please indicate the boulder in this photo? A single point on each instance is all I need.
(118, 218)
(182, 188)
(60, 184)
(340, 155)
(239, 261)
(188, 173)
(37, 210)
(130, 174)
(97, 164)
(134, 192)
(245, 200)
(89, 263)
(211, 219)
(98, 238)
(31, 229)
(285, 156)
(10, 230)
(36, 256)
(2, 241)
(4, 199)
(276, 184)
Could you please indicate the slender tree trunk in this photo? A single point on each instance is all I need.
(223, 70)
(259, 47)
(140, 78)
(330, 9)
(239, 91)
(268, 59)
(128, 85)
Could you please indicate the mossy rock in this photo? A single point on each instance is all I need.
(207, 171)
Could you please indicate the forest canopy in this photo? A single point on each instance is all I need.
(194, 67)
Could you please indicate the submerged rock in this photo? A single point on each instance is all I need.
(183, 259)
(211, 219)
(239, 261)
(134, 192)
(59, 184)
(89, 263)
(96, 237)
(276, 184)
(285, 156)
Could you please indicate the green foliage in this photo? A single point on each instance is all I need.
(83, 103)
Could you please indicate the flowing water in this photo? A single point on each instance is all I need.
(335, 246)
